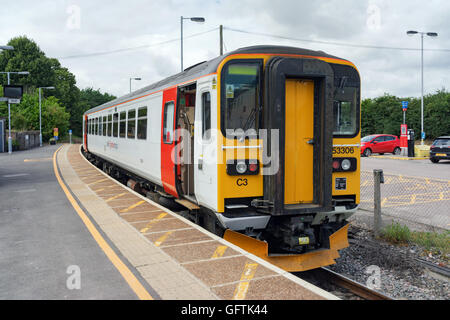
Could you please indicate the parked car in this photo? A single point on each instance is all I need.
(440, 149)
(380, 143)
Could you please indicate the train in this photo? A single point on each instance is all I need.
(259, 146)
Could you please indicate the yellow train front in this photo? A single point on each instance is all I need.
(288, 172)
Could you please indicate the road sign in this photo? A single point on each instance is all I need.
(12, 100)
(423, 135)
(70, 131)
(404, 105)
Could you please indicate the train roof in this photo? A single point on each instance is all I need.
(208, 67)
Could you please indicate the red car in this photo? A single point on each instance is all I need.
(380, 143)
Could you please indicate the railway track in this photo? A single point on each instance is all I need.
(332, 281)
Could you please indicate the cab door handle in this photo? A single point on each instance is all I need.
(311, 141)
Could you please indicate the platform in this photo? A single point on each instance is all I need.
(176, 258)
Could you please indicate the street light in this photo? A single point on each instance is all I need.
(133, 79)
(195, 19)
(40, 122)
(9, 107)
(430, 34)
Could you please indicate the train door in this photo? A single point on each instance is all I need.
(85, 131)
(205, 147)
(168, 169)
(299, 134)
(298, 103)
(185, 139)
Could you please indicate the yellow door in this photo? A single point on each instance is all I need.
(298, 176)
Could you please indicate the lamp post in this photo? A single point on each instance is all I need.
(133, 79)
(40, 121)
(430, 34)
(195, 19)
(9, 107)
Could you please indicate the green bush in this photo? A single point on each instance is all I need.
(396, 233)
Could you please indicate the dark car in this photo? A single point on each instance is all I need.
(440, 149)
(380, 143)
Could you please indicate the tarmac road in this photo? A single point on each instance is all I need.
(414, 168)
(43, 242)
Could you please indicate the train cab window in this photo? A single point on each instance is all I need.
(168, 122)
(206, 116)
(115, 124)
(131, 133)
(122, 124)
(345, 109)
(109, 125)
(241, 81)
(105, 126)
(142, 123)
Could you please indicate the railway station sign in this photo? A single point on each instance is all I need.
(404, 105)
(12, 92)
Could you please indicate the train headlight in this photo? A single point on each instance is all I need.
(346, 164)
(241, 167)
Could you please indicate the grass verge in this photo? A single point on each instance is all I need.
(431, 241)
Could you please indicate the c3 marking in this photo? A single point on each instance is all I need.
(242, 182)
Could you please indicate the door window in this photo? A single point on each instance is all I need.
(168, 122)
(206, 116)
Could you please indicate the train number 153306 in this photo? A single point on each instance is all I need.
(343, 150)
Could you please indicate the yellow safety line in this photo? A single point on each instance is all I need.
(148, 226)
(133, 206)
(92, 183)
(129, 277)
(115, 197)
(247, 275)
(219, 252)
(163, 238)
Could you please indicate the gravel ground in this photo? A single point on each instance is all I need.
(401, 277)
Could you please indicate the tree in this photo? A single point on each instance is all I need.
(25, 116)
(384, 115)
(44, 71)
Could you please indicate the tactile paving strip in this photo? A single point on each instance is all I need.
(176, 257)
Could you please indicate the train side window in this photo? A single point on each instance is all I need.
(89, 126)
(131, 133)
(142, 123)
(168, 122)
(122, 124)
(100, 126)
(115, 124)
(109, 125)
(96, 126)
(105, 126)
(206, 116)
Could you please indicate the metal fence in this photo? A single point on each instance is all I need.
(418, 200)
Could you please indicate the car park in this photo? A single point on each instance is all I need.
(440, 149)
(380, 143)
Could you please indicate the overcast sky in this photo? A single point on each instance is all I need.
(69, 29)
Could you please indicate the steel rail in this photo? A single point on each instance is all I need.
(353, 286)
